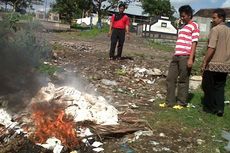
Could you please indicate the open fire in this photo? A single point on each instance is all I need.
(51, 117)
(51, 121)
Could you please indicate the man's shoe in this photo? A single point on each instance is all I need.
(220, 113)
(171, 105)
(112, 58)
(181, 103)
(118, 58)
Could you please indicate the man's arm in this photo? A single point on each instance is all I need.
(213, 38)
(111, 26)
(192, 55)
(127, 27)
(207, 58)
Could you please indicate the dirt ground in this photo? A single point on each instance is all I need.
(133, 93)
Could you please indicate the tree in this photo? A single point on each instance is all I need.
(158, 7)
(19, 5)
(68, 9)
(99, 8)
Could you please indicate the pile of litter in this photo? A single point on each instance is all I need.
(82, 106)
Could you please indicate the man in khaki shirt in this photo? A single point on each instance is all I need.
(216, 65)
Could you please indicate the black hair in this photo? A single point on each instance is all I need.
(186, 9)
(220, 13)
(121, 5)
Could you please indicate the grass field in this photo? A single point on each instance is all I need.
(194, 119)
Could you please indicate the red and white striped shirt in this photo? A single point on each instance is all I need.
(188, 34)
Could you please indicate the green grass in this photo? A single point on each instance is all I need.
(196, 69)
(57, 46)
(84, 34)
(120, 71)
(194, 119)
(160, 46)
(92, 33)
(47, 69)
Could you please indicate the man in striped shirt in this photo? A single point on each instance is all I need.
(182, 61)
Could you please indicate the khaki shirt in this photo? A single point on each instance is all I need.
(219, 39)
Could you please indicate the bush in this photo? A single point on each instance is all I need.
(20, 53)
(79, 27)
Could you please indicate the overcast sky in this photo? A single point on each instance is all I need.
(195, 4)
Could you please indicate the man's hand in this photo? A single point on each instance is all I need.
(203, 67)
(109, 34)
(128, 35)
(190, 63)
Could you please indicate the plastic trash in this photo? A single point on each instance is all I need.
(126, 149)
(226, 135)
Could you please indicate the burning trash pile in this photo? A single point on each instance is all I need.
(56, 117)
(82, 106)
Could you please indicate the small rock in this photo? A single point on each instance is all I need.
(157, 71)
(165, 149)
(162, 135)
(196, 78)
(154, 143)
(199, 141)
(109, 82)
(218, 150)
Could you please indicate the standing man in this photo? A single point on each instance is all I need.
(182, 61)
(119, 26)
(216, 64)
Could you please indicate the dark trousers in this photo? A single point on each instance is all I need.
(213, 84)
(178, 77)
(118, 35)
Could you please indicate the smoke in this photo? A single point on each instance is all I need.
(21, 52)
(70, 77)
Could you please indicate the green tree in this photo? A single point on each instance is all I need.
(102, 9)
(68, 9)
(158, 7)
(19, 5)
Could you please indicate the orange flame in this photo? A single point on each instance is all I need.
(50, 121)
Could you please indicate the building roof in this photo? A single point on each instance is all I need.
(208, 12)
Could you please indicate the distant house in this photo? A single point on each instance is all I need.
(161, 28)
(51, 23)
(204, 18)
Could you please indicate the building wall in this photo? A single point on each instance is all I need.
(163, 26)
(204, 26)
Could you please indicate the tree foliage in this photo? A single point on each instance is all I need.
(158, 7)
(101, 9)
(70, 9)
(19, 5)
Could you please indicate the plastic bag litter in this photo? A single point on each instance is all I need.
(226, 135)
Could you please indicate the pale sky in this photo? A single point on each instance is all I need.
(195, 4)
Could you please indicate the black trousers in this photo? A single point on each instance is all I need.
(118, 35)
(213, 84)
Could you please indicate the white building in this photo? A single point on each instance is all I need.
(161, 28)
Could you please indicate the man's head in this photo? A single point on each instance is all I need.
(121, 8)
(186, 13)
(218, 16)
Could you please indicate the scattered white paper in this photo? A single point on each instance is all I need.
(98, 149)
(97, 144)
